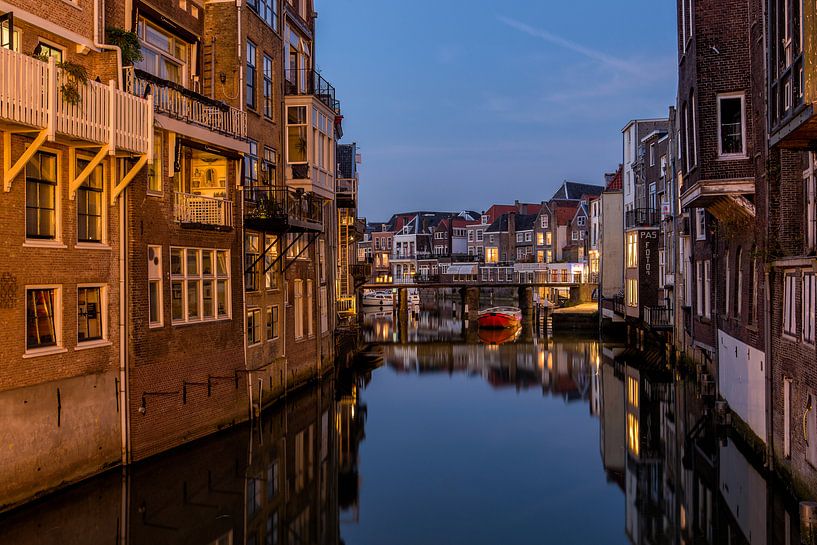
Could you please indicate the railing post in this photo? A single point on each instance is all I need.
(112, 117)
(51, 91)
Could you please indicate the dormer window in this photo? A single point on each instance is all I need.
(164, 55)
(484, 220)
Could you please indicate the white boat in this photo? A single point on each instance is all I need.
(381, 298)
(500, 318)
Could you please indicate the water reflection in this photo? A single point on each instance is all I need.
(446, 440)
(273, 482)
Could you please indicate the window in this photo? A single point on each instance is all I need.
(42, 321)
(200, 284)
(267, 10)
(528, 236)
(298, 289)
(268, 109)
(738, 283)
(707, 289)
(155, 170)
(787, 417)
(652, 155)
(90, 306)
(699, 287)
(310, 307)
(155, 314)
(810, 180)
(470, 236)
(633, 439)
(296, 134)
(480, 235)
(694, 114)
(163, 54)
(789, 305)
(253, 326)
(45, 51)
(322, 260)
(700, 224)
(324, 302)
(41, 196)
(728, 283)
(90, 204)
(14, 43)
(809, 306)
(272, 323)
(581, 221)
(687, 138)
(271, 275)
(632, 250)
(491, 255)
(518, 237)
(731, 125)
(251, 165)
(751, 290)
(544, 221)
(632, 292)
(548, 238)
(251, 74)
(252, 262)
(575, 235)
(269, 167)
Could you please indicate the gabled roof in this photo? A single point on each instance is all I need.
(575, 191)
(580, 211)
(525, 222)
(615, 181)
(497, 210)
(500, 225)
(564, 211)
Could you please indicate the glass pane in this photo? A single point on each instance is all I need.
(296, 115)
(40, 330)
(297, 144)
(192, 300)
(731, 126)
(89, 317)
(207, 296)
(222, 263)
(207, 263)
(177, 303)
(154, 295)
(48, 167)
(156, 37)
(176, 261)
(221, 297)
(47, 224)
(192, 262)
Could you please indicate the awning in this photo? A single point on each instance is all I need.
(463, 269)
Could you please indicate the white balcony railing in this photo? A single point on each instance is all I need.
(30, 96)
(175, 101)
(203, 210)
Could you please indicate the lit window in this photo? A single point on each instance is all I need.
(633, 439)
(632, 292)
(252, 262)
(296, 134)
(632, 250)
(632, 391)
(164, 55)
(809, 307)
(298, 294)
(491, 255)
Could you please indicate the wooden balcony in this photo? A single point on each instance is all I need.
(33, 100)
(179, 103)
(346, 193)
(198, 210)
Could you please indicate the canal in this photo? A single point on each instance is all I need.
(446, 437)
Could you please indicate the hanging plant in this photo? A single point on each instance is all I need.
(74, 75)
(127, 42)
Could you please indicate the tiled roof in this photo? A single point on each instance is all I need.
(564, 211)
(574, 191)
(525, 222)
(615, 183)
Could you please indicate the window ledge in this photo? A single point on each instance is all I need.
(156, 326)
(87, 345)
(253, 345)
(154, 193)
(91, 246)
(790, 338)
(49, 351)
(200, 322)
(736, 157)
(32, 243)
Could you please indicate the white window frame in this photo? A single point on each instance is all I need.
(103, 239)
(707, 288)
(103, 317)
(214, 277)
(298, 303)
(700, 224)
(256, 314)
(58, 347)
(808, 299)
(57, 241)
(273, 312)
(742, 96)
(159, 280)
(810, 191)
(789, 321)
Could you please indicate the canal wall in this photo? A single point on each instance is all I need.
(56, 433)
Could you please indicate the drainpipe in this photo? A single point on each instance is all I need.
(107, 47)
(240, 48)
(124, 389)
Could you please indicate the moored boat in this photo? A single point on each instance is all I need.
(380, 298)
(500, 318)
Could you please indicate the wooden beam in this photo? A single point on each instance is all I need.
(128, 178)
(11, 171)
(78, 181)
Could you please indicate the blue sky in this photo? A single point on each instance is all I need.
(457, 104)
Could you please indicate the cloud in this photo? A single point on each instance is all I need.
(607, 60)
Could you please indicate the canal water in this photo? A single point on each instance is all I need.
(438, 435)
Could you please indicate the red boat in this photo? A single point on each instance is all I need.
(500, 318)
(499, 336)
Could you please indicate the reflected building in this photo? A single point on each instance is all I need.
(274, 481)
